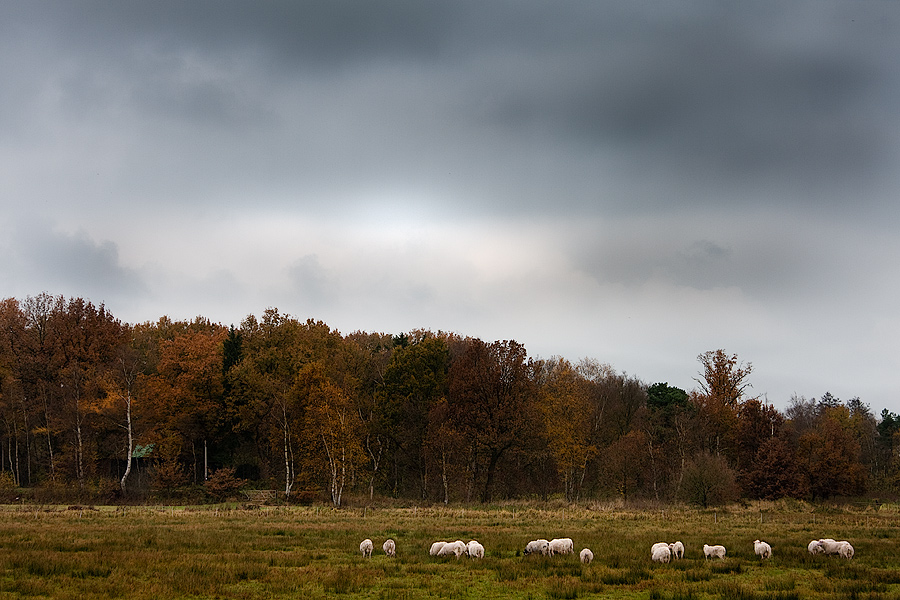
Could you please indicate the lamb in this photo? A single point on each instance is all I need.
(366, 547)
(540, 546)
(815, 547)
(474, 549)
(436, 547)
(677, 549)
(561, 546)
(713, 551)
(660, 553)
(390, 548)
(586, 556)
(762, 549)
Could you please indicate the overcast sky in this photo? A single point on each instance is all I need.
(632, 181)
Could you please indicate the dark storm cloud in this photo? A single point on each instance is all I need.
(283, 34)
(717, 103)
(511, 105)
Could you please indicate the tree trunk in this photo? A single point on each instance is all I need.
(333, 470)
(489, 479)
(79, 454)
(343, 478)
(653, 467)
(376, 461)
(49, 438)
(27, 444)
(17, 469)
(79, 441)
(194, 473)
(128, 376)
(130, 452)
(288, 475)
(13, 454)
(444, 476)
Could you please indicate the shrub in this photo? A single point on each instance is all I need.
(168, 475)
(223, 483)
(7, 482)
(708, 481)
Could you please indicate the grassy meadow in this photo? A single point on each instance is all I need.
(306, 552)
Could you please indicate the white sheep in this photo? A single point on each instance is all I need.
(390, 548)
(586, 556)
(474, 549)
(436, 547)
(713, 551)
(449, 548)
(762, 549)
(561, 546)
(815, 547)
(539, 546)
(660, 553)
(456, 549)
(846, 550)
(366, 547)
(830, 546)
(657, 545)
(842, 548)
(677, 549)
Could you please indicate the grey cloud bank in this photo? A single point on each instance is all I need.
(630, 181)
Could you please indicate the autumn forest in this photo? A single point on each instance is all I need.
(94, 408)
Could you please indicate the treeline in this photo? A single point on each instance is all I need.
(90, 404)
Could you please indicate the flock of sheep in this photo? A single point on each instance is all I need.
(661, 552)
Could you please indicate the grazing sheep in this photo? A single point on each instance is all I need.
(842, 548)
(390, 548)
(657, 545)
(815, 547)
(366, 547)
(457, 549)
(713, 551)
(846, 550)
(436, 547)
(540, 546)
(474, 549)
(561, 546)
(661, 553)
(830, 546)
(586, 556)
(677, 549)
(762, 549)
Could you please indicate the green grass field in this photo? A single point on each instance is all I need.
(293, 552)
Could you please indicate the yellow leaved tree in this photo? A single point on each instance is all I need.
(333, 426)
(567, 414)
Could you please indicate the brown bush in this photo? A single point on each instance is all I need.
(222, 483)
